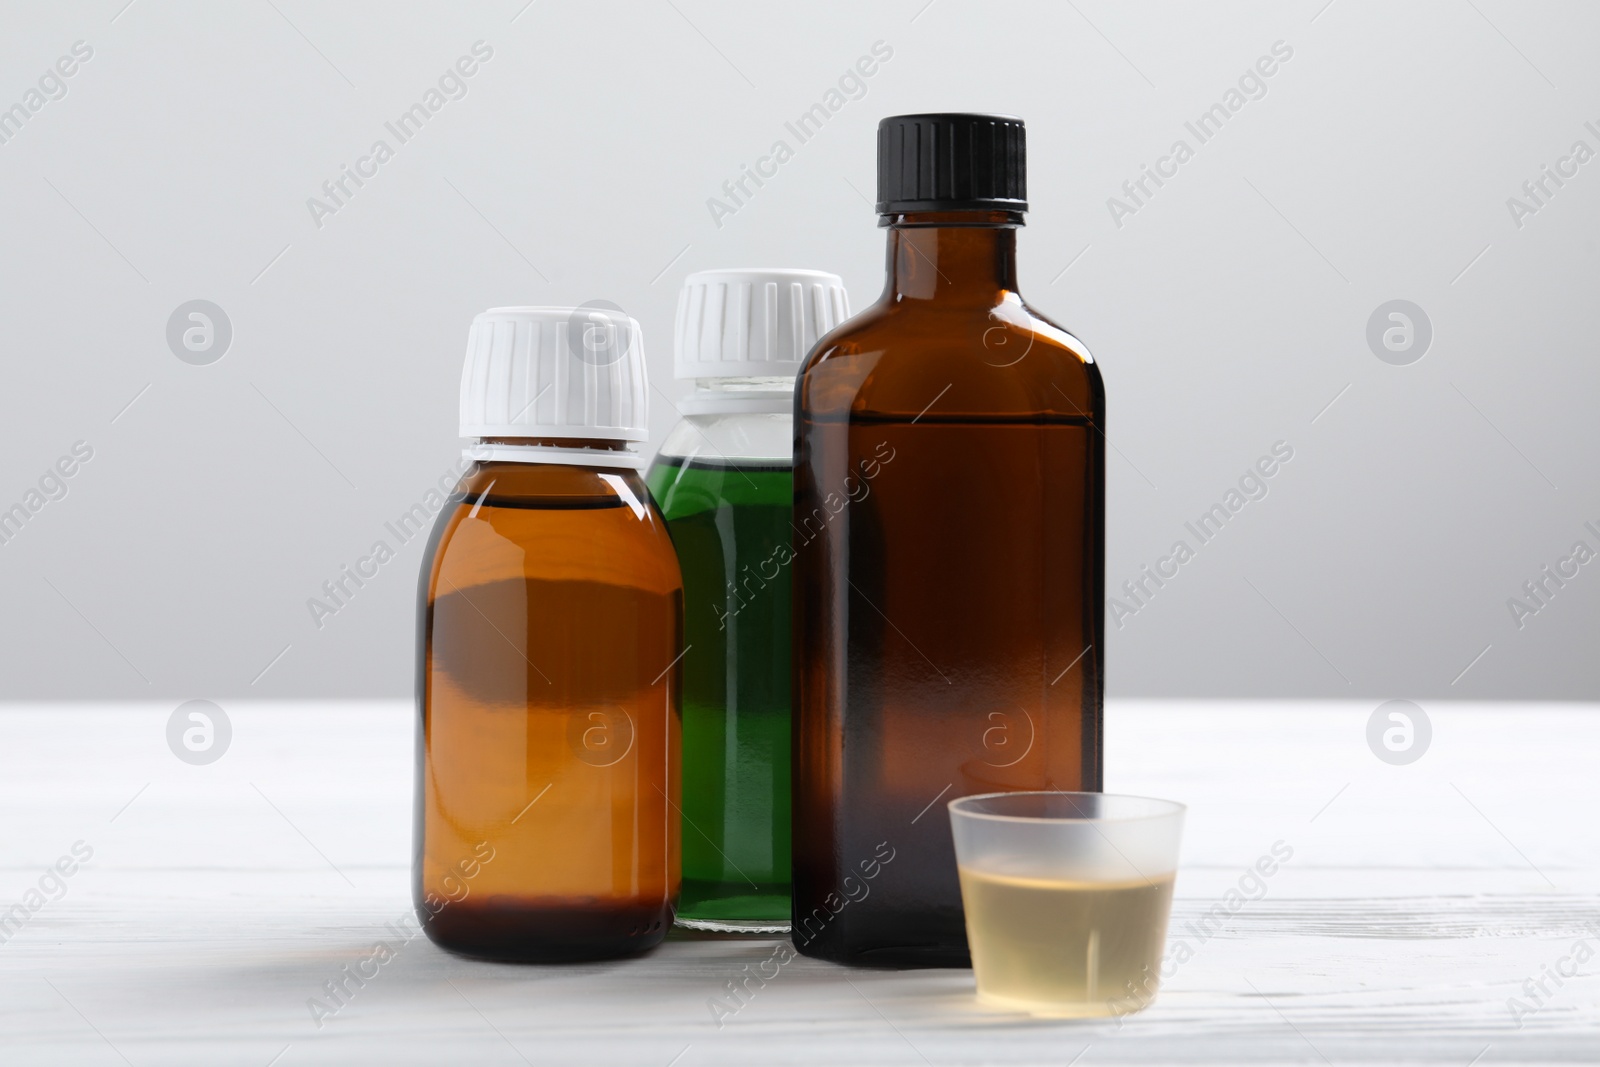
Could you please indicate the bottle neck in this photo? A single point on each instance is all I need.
(953, 257)
(567, 451)
(772, 394)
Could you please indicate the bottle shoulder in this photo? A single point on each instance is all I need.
(687, 486)
(731, 437)
(552, 521)
(1005, 359)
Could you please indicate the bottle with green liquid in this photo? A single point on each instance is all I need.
(724, 481)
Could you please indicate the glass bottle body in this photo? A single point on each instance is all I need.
(724, 482)
(949, 514)
(549, 622)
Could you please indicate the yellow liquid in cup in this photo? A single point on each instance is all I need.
(1066, 948)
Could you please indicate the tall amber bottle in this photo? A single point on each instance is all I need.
(549, 639)
(949, 517)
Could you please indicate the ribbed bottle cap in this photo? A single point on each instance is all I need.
(754, 323)
(952, 162)
(555, 372)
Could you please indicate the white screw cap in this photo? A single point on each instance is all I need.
(555, 372)
(754, 323)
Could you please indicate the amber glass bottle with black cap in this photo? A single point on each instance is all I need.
(949, 544)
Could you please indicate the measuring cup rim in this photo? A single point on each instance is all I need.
(1166, 808)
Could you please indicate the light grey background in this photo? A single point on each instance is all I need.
(1229, 312)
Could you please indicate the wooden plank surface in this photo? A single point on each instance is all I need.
(1421, 905)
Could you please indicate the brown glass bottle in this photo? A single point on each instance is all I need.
(949, 515)
(547, 762)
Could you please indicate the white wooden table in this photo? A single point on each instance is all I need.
(219, 899)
